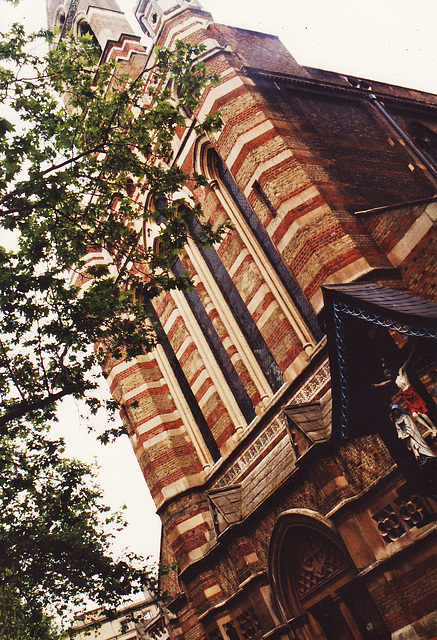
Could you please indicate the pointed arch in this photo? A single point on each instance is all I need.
(305, 553)
(276, 274)
(314, 581)
(83, 28)
(60, 16)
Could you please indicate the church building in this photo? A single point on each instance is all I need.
(286, 423)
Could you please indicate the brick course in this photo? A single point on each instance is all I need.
(346, 201)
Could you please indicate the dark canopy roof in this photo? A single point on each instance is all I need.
(370, 327)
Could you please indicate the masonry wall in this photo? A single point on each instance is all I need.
(232, 577)
(345, 146)
(407, 235)
(319, 187)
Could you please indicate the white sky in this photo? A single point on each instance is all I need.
(387, 40)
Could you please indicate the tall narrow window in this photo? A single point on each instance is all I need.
(269, 249)
(244, 319)
(266, 200)
(217, 348)
(245, 322)
(185, 387)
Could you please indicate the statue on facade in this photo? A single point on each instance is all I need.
(407, 430)
(415, 404)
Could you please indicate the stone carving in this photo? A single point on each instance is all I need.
(416, 406)
(412, 511)
(407, 430)
(396, 518)
(305, 394)
(249, 624)
(68, 24)
(389, 525)
(317, 560)
(256, 448)
(312, 386)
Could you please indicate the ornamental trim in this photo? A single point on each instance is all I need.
(305, 394)
(374, 317)
(69, 19)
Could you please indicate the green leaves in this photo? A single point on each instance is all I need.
(54, 536)
(63, 193)
(19, 620)
(76, 283)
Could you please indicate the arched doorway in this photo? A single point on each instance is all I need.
(315, 582)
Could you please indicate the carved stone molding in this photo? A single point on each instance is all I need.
(313, 385)
(306, 393)
(257, 447)
(68, 24)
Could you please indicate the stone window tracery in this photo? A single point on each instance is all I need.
(249, 624)
(314, 581)
(413, 511)
(398, 517)
(389, 525)
(317, 560)
(217, 360)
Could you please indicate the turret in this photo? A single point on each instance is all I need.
(103, 19)
(153, 14)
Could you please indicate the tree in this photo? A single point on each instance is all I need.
(21, 623)
(66, 189)
(55, 532)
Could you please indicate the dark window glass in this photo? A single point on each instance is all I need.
(269, 249)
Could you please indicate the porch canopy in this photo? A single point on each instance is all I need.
(370, 329)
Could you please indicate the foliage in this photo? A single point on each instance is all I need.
(19, 622)
(65, 190)
(55, 531)
(67, 172)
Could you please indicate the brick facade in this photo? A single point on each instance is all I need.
(280, 529)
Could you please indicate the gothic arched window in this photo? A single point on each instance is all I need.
(84, 28)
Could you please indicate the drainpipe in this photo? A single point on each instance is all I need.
(410, 144)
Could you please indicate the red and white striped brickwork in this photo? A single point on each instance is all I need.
(315, 169)
(319, 244)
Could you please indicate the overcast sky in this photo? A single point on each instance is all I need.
(392, 40)
(387, 40)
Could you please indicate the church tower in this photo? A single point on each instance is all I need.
(289, 503)
(153, 14)
(102, 18)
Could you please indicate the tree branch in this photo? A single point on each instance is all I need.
(23, 408)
